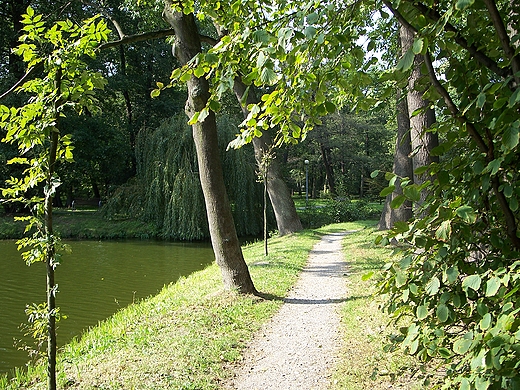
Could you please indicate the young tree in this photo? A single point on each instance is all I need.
(37, 131)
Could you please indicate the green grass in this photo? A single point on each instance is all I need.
(365, 362)
(192, 332)
(84, 224)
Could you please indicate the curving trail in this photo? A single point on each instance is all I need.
(298, 348)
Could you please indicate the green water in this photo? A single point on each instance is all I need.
(96, 280)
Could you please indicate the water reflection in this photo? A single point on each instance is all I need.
(94, 281)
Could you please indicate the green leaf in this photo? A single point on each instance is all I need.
(199, 72)
(463, 4)
(397, 201)
(510, 137)
(422, 312)
(445, 353)
(461, 346)
(331, 107)
(420, 170)
(452, 274)
(494, 166)
(481, 99)
(418, 44)
(155, 93)
(386, 191)
(374, 174)
(412, 192)
(466, 213)
(442, 312)
(400, 279)
(268, 76)
(406, 61)
(492, 286)
(443, 232)
(471, 281)
(312, 18)
(485, 322)
(310, 32)
(432, 287)
(515, 97)
(185, 77)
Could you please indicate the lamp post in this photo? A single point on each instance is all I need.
(306, 183)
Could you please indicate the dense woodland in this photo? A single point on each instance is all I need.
(267, 86)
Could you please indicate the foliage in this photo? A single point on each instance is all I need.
(458, 277)
(34, 128)
(337, 211)
(461, 254)
(167, 189)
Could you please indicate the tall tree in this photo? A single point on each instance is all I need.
(421, 115)
(224, 239)
(402, 168)
(287, 219)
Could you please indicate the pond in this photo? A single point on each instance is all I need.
(95, 280)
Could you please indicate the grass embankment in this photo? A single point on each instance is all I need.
(365, 361)
(189, 335)
(83, 224)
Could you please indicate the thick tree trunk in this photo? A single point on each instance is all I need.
(402, 167)
(224, 238)
(284, 209)
(422, 140)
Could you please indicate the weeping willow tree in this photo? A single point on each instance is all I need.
(167, 190)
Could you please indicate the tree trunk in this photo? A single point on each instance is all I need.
(226, 246)
(422, 140)
(402, 167)
(50, 252)
(329, 172)
(287, 219)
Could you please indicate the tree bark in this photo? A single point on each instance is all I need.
(402, 167)
(329, 172)
(421, 117)
(287, 219)
(226, 246)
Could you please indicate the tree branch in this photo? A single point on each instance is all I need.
(504, 38)
(472, 49)
(137, 38)
(27, 74)
(455, 112)
(484, 148)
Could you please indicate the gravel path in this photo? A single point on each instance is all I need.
(298, 348)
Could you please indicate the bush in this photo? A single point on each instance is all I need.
(337, 211)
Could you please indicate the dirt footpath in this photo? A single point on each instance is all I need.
(299, 347)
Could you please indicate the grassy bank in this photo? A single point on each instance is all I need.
(83, 224)
(365, 361)
(189, 335)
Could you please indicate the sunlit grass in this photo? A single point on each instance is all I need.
(189, 335)
(365, 363)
